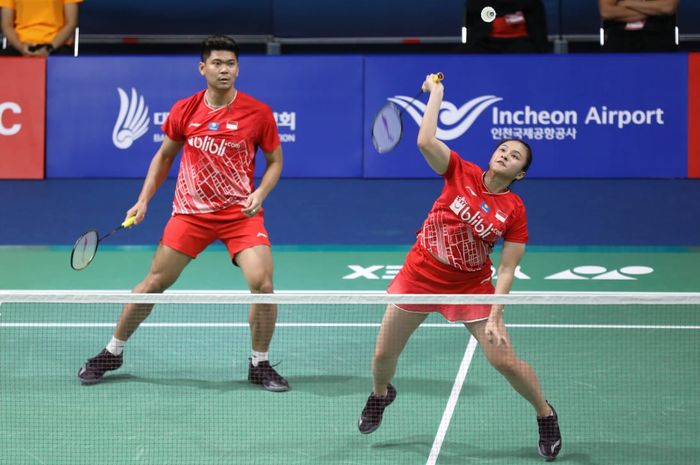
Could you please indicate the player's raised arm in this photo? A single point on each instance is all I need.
(436, 152)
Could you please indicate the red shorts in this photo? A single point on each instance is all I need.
(190, 234)
(424, 274)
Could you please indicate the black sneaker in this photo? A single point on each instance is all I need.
(96, 367)
(371, 416)
(265, 375)
(550, 436)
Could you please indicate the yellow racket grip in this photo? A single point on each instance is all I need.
(439, 76)
(129, 222)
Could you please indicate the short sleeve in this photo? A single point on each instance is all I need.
(458, 166)
(517, 230)
(452, 165)
(269, 137)
(172, 127)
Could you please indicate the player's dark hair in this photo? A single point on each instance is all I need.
(218, 42)
(528, 155)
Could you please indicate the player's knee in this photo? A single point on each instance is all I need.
(261, 284)
(383, 355)
(155, 283)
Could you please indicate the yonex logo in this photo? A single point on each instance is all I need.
(389, 271)
(132, 121)
(626, 273)
(585, 272)
(370, 272)
(453, 121)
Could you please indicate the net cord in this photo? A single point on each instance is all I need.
(343, 297)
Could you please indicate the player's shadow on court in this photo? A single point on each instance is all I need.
(321, 385)
(583, 453)
(461, 452)
(220, 385)
(337, 386)
(604, 453)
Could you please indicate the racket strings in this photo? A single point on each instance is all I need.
(84, 250)
(387, 128)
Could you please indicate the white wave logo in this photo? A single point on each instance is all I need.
(456, 120)
(132, 121)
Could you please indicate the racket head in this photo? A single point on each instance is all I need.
(84, 250)
(387, 128)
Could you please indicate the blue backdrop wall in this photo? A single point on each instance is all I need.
(585, 115)
(591, 212)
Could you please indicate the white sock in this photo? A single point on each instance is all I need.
(258, 357)
(115, 346)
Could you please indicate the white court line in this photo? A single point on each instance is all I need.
(452, 401)
(338, 325)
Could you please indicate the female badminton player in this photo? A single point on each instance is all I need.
(451, 256)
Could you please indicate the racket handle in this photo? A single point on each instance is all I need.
(439, 76)
(129, 222)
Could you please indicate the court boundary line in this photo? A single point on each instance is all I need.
(452, 401)
(346, 325)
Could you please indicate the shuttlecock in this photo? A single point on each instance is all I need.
(488, 14)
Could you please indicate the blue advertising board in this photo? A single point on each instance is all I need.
(597, 116)
(584, 115)
(104, 113)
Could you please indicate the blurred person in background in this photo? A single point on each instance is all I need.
(520, 26)
(639, 25)
(38, 27)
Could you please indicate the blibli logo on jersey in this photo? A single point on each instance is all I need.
(208, 144)
(458, 204)
(461, 208)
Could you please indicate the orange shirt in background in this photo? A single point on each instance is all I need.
(37, 21)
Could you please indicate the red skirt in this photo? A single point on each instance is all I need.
(424, 274)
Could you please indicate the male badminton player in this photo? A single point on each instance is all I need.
(220, 129)
(451, 256)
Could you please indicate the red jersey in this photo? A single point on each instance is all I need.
(467, 220)
(218, 159)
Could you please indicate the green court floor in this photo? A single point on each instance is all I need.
(356, 268)
(624, 380)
